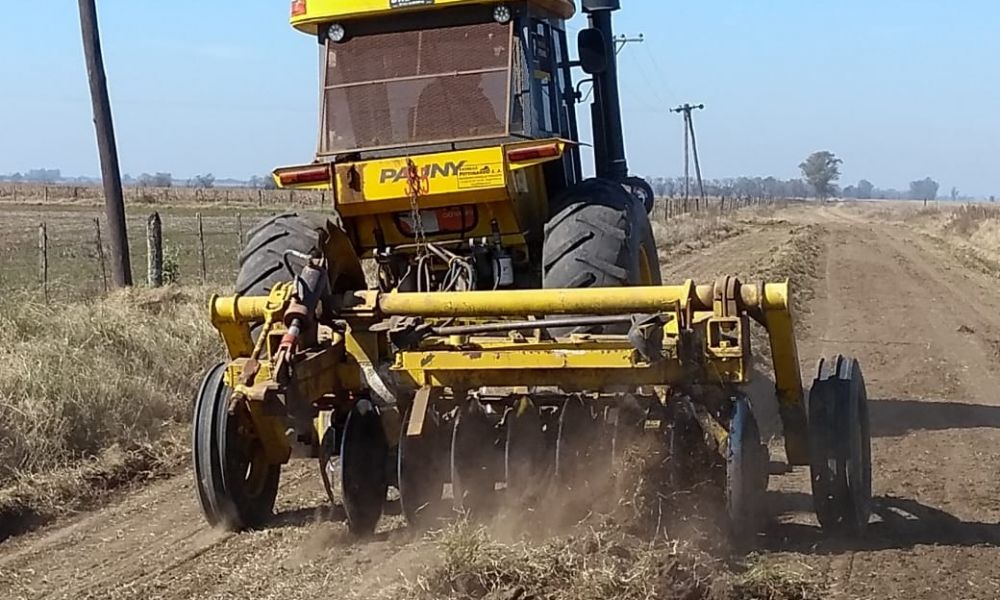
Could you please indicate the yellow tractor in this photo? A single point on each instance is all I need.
(475, 322)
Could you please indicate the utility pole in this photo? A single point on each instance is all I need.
(114, 202)
(691, 147)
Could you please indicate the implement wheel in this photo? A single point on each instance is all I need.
(747, 462)
(236, 485)
(840, 446)
(423, 470)
(599, 236)
(364, 454)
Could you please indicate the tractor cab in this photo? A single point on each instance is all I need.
(455, 122)
(427, 77)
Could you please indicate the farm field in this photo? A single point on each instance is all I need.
(910, 292)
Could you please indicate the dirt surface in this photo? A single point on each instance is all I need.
(925, 325)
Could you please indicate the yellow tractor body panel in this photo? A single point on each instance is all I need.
(308, 15)
(460, 194)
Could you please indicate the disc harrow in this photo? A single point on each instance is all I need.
(470, 423)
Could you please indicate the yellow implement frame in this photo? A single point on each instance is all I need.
(701, 338)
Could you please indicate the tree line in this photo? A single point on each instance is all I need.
(820, 174)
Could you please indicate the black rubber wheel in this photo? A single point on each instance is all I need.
(236, 486)
(840, 446)
(422, 471)
(599, 236)
(262, 264)
(364, 453)
(474, 460)
(528, 461)
(746, 474)
(641, 189)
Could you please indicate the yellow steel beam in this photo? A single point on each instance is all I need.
(523, 303)
(591, 301)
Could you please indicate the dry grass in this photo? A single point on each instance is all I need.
(690, 233)
(653, 543)
(91, 393)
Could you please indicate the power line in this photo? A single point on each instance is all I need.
(690, 140)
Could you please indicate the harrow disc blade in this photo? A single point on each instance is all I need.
(473, 459)
(422, 467)
(329, 459)
(584, 448)
(528, 462)
(840, 446)
(236, 486)
(364, 453)
(746, 474)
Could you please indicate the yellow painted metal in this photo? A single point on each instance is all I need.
(521, 303)
(233, 315)
(356, 361)
(589, 301)
(787, 375)
(461, 177)
(307, 15)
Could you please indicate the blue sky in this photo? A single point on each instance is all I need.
(899, 89)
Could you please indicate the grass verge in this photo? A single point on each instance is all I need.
(93, 395)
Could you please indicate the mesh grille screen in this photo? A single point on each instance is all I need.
(406, 88)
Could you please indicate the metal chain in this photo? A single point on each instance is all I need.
(416, 185)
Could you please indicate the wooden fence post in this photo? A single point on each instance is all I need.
(201, 250)
(154, 251)
(239, 230)
(43, 260)
(260, 198)
(100, 253)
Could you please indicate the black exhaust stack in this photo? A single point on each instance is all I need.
(606, 112)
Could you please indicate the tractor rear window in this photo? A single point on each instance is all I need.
(417, 87)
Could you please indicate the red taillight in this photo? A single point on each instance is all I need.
(534, 153)
(301, 176)
(299, 8)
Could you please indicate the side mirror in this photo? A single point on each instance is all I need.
(594, 51)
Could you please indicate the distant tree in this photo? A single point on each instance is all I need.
(163, 180)
(924, 189)
(262, 183)
(865, 189)
(954, 194)
(851, 192)
(820, 170)
(202, 181)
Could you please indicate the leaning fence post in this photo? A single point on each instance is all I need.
(100, 253)
(154, 251)
(43, 260)
(201, 249)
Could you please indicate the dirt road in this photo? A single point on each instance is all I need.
(925, 325)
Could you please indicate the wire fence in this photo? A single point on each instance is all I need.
(62, 251)
(173, 196)
(65, 254)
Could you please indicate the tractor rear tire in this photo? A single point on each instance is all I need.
(262, 262)
(599, 236)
